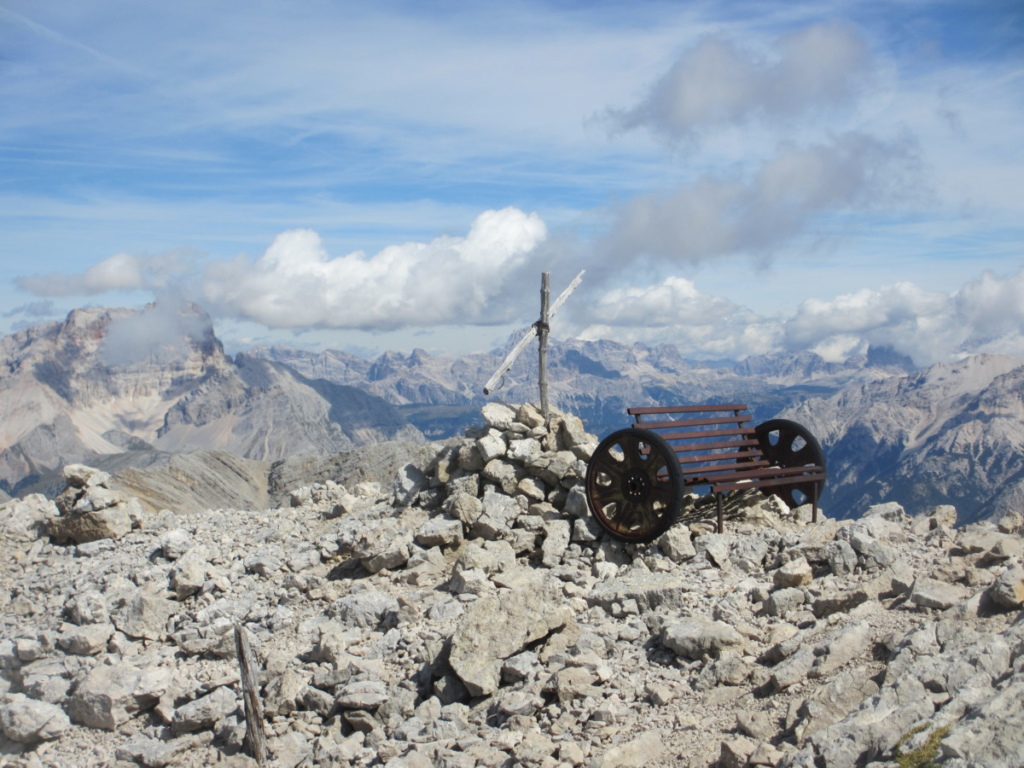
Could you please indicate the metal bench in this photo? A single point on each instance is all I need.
(637, 477)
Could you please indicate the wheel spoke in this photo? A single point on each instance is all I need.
(650, 517)
(619, 518)
(606, 463)
(662, 493)
(804, 456)
(632, 452)
(607, 495)
(654, 464)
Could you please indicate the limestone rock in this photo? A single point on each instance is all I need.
(556, 539)
(643, 750)
(111, 695)
(735, 752)
(699, 638)
(677, 544)
(86, 640)
(498, 415)
(82, 527)
(934, 594)
(204, 711)
(365, 609)
(145, 616)
(1008, 589)
(27, 721)
(26, 519)
(495, 628)
(795, 573)
(365, 695)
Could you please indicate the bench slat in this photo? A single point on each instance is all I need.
(793, 474)
(747, 434)
(734, 457)
(739, 484)
(684, 423)
(657, 409)
(724, 447)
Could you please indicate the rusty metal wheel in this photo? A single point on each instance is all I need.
(786, 443)
(634, 485)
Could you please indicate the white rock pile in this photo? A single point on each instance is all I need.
(473, 615)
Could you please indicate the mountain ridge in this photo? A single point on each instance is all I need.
(106, 382)
(951, 433)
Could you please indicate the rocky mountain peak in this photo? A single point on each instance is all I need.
(121, 383)
(952, 433)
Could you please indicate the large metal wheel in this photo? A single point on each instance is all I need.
(786, 443)
(634, 485)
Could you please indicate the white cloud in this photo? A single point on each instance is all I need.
(992, 307)
(674, 301)
(718, 83)
(450, 280)
(120, 272)
(675, 312)
(160, 333)
(984, 315)
(717, 216)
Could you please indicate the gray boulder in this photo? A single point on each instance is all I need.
(699, 638)
(28, 721)
(498, 627)
(111, 695)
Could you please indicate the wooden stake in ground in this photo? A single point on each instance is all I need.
(255, 735)
(542, 339)
(539, 329)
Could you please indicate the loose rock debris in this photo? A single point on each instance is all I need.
(469, 613)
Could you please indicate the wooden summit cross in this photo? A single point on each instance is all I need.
(539, 329)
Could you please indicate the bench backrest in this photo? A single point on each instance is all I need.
(707, 439)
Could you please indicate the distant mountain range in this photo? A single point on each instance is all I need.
(950, 434)
(115, 388)
(95, 389)
(596, 380)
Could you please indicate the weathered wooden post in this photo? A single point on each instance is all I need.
(255, 735)
(542, 337)
(539, 329)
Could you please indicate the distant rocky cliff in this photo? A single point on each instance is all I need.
(118, 389)
(951, 434)
(596, 380)
(118, 386)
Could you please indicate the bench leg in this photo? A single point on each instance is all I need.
(718, 500)
(814, 504)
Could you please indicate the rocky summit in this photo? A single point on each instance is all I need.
(464, 610)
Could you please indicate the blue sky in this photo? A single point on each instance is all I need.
(736, 178)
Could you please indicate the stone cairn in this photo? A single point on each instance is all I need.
(469, 613)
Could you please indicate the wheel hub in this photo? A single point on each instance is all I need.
(636, 485)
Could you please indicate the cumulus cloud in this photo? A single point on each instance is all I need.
(297, 284)
(901, 315)
(716, 82)
(984, 315)
(160, 333)
(718, 216)
(675, 312)
(120, 272)
(992, 307)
